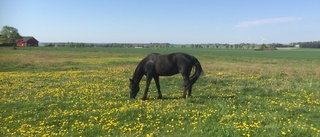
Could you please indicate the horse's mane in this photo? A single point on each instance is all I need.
(139, 71)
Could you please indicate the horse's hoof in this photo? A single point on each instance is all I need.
(159, 97)
(143, 98)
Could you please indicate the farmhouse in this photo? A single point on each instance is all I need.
(27, 41)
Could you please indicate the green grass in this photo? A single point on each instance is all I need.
(84, 92)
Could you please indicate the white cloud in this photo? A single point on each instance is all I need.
(246, 24)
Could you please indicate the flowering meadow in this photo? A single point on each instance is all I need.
(84, 92)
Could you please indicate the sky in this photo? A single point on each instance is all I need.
(164, 21)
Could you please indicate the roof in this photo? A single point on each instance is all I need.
(27, 38)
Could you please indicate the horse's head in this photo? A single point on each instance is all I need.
(134, 88)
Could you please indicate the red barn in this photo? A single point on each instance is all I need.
(27, 41)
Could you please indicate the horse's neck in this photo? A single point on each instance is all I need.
(138, 74)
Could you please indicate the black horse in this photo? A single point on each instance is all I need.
(155, 65)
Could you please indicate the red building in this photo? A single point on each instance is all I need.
(27, 41)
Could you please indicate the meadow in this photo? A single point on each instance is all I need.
(84, 92)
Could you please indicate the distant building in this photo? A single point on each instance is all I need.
(27, 41)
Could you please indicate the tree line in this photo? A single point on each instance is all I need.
(9, 36)
(151, 45)
(109, 45)
(312, 44)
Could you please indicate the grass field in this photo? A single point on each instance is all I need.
(84, 92)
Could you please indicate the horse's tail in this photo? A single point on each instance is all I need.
(198, 71)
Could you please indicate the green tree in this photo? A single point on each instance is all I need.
(273, 47)
(263, 46)
(9, 35)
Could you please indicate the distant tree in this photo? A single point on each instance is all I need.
(263, 46)
(273, 47)
(9, 35)
(49, 45)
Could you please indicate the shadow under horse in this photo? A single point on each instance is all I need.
(155, 65)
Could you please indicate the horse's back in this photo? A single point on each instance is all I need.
(170, 64)
(183, 58)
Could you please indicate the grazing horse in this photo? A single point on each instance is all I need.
(155, 65)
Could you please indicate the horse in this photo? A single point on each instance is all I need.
(155, 65)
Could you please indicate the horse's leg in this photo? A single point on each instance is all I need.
(156, 79)
(186, 85)
(149, 78)
(190, 88)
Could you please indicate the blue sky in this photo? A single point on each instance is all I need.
(172, 21)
